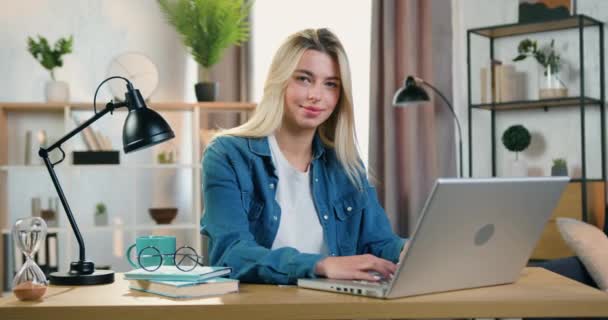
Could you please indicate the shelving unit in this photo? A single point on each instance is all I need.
(584, 198)
(134, 185)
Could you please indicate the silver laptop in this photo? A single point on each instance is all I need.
(471, 233)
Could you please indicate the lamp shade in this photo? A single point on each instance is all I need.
(410, 94)
(144, 128)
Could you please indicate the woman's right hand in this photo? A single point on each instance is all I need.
(360, 267)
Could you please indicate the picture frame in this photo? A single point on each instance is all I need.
(543, 10)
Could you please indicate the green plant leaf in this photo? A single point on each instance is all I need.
(546, 56)
(520, 57)
(559, 163)
(208, 27)
(49, 58)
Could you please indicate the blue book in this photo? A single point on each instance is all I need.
(171, 273)
(186, 289)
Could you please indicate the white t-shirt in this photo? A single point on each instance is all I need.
(299, 226)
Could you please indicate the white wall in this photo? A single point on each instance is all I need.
(102, 29)
(275, 20)
(555, 133)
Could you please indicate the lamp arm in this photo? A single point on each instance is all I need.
(109, 108)
(447, 102)
(44, 154)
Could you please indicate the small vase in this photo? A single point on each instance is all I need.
(207, 91)
(550, 86)
(57, 91)
(559, 171)
(519, 168)
(101, 220)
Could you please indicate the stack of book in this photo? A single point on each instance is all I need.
(508, 85)
(171, 282)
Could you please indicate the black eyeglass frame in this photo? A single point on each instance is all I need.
(179, 265)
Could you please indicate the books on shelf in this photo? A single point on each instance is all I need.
(186, 289)
(93, 140)
(8, 262)
(88, 136)
(172, 273)
(508, 85)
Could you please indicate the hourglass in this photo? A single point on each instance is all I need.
(30, 282)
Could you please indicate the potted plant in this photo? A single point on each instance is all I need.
(207, 28)
(560, 167)
(51, 58)
(550, 85)
(101, 215)
(516, 139)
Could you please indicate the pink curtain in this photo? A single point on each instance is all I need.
(410, 147)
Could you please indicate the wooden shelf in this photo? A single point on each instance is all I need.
(124, 228)
(164, 106)
(101, 167)
(135, 166)
(537, 104)
(514, 29)
(586, 180)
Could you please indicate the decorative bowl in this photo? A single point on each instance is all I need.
(163, 215)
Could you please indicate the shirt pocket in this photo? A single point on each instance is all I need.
(252, 205)
(349, 212)
(350, 205)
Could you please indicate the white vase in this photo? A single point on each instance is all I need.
(519, 168)
(57, 91)
(550, 86)
(101, 219)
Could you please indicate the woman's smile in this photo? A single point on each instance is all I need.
(311, 111)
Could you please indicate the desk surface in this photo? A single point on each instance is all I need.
(537, 293)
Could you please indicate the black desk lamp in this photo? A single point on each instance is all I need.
(411, 94)
(143, 128)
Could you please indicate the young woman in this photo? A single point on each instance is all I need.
(285, 194)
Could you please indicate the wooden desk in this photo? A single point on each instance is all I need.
(538, 293)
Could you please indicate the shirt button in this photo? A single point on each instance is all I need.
(349, 209)
(316, 180)
(325, 217)
(271, 186)
(333, 254)
(275, 218)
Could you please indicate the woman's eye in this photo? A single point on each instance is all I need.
(332, 84)
(302, 79)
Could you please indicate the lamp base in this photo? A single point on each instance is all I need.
(75, 279)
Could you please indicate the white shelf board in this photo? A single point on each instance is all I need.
(182, 226)
(49, 230)
(102, 167)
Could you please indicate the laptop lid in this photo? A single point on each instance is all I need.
(476, 232)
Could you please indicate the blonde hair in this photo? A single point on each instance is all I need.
(338, 131)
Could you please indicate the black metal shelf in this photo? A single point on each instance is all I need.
(539, 104)
(514, 29)
(586, 180)
(578, 104)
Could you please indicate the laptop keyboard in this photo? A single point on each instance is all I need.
(380, 283)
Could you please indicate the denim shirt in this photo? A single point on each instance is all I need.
(241, 217)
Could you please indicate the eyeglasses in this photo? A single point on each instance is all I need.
(184, 258)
